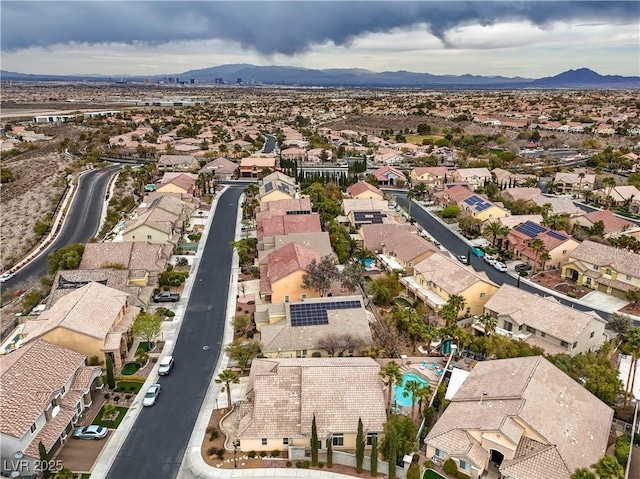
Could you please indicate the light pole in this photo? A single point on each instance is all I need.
(236, 443)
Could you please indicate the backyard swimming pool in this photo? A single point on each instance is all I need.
(400, 400)
(367, 262)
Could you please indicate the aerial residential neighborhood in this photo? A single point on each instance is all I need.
(317, 270)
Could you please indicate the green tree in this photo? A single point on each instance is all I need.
(392, 375)
(610, 183)
(374, 455)
(227, 377)
(359, 446)
(65, 473)
(320, 275)
(109, 412)
(392, 452)
(495, 230)
(147, 326)
(403, 432)
(67, 257)
(352, 276)
(110, 379)
(537, 247)
(243, 353)
(314, 442)
(489, 321)
(453, 308)
(631, 346)
(608, 468)
(583, 473)
(410, 197)
(329, 453)
(44, 457)
(411, 389)
(619, 324)
(633, 295)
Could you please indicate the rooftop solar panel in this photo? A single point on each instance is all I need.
(530, 229)
(314, 314)
(555, 234)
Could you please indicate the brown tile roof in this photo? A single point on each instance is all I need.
(337, 390)
(133, 255)
(538, 395)
(287, 224)
(375, 235)
(50, 432)
(458, 193)
(281, 207)
(437, 171)
(542, 313)
(278, 175)
(383, 173)
(90, 310)
(362, 187)
(84, 377)
(29, 377)
(612, 223)
(286, 260)
(541, 461)
(364, 204)
(405, 244)
(319, 242)
(220, 165)
(622, 260)
(450, 275)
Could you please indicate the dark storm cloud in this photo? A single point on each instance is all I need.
(273, 27)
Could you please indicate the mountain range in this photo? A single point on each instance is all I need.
(296, 76)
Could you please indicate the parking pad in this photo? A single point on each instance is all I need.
(80, 455)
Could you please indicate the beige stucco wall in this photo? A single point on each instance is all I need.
(142, 232)
(255, 444)
(275, 195)
(560, 255)
(291, 285)
(171, 188)
(80, 343)
(492, 212)
(369, 194)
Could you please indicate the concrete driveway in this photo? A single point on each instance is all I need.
(604, 301)
(79, 455)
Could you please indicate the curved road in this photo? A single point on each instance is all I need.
(81, 224)
(458, 247)
(157, 441)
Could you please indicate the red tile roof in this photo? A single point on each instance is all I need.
(361, 187)
(284, 261)
(612, 223)
(287, 224)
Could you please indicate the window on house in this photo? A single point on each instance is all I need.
(285, 441)
(628, 277)
(531, 330)
(508, 326)
(575, 345)
(564, 251)
(286, 298)
(564, 344)
(33, 428)
(595, 266)
(338, 439)
(468, 311)
(439, 453)
(465, 465)
(607, 271)
(148, 236)
(410, 264)
(482, 295)
(264, 441)
(304, 296)
(592, 334)
(370, 437)
(543, 335)
(588, 280)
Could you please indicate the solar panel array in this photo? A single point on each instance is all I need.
(530, 229)
(315, 314)
(479, 204)
(556, 235)
(299, 212)
(370, 217)
(268, 187)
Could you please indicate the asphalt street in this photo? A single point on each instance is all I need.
(82, 223)
(269, 144)
(458, 247)
(157, 442)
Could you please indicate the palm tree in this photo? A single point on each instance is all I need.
(544, 257)
(422, 393)
(545, 209)
(410, 389)
(391, 373)
(489, 321)
(608, 468)
(632, 348)
(410, 196)
(494, 230)
(610, 183)
(456, 302)
(537, 246)
(583, 473)
(581, 175)
(227, 377)
(251, 190)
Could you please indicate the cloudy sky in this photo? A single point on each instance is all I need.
(534, 38)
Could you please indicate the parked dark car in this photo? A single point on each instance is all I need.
(522, 267)
(166, 297)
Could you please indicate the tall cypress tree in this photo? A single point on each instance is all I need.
(359, 446)
(314, 443)
(374, 456)
(393, 456)
(110, 381)
(329, 453)
(42, 451)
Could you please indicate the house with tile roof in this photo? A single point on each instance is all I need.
(93, 320)
(252, 166)
(474, 177)
(439, 276)
(296, 206)
(282, 272)
(363, 190)
(482, 209)
(330, 326)
(318, 241)
(222, 168)
(275, 189)
(270, 226)
(573, 183)
(619, 196)
(183, 184)
(388, 175)
(293, 154)
(506, 178)
(431, 176)
(613, 225)
(558, 244)
(603, 268)
(559, 204)
(45, 389)
(521, 418)
(278, 175)
(178, 163)
(129, 255)
(452, 194)
(284, 395)
(398, 247)
(544, 322)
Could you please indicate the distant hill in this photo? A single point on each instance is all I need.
(357, 77)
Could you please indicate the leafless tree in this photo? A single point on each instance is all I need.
(338, 344)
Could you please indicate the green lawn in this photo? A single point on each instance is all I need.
(130, 368)
(417, 139)
(431, 474)
(127, 385)
(402, 302)
(110, 424)
(145, 346)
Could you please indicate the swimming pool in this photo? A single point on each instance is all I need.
(368, 262)
(399, 398)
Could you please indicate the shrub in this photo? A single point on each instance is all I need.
(572, 294)
(305, 464)
(107, 396)
(623, 444)
(321, 465)
(263, 453)
(449, 467)
(299, 464)
(116, 398)
(214, 434)
(429, 464)
(316, 354)
(461, 475)
(212, 451)
(288, 464)
(121, 388)
(414, 471)
(127, 396)
(220, 453)
(251, 454)
(275, 453)
(170, 314)
(132, 389)
(416, 458)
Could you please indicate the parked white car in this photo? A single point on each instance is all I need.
(500, 266)
(151, 396)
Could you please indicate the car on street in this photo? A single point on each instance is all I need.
(489, 260)
(90, 432)
(500, 266)
(522, 267)
(166, 365)
(6, 277)
(462, 258)
(151, 395)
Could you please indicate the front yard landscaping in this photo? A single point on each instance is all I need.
(132, 387)
(130, 368)
(108, 423)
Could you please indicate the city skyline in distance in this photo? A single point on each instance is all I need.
(531, 39)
